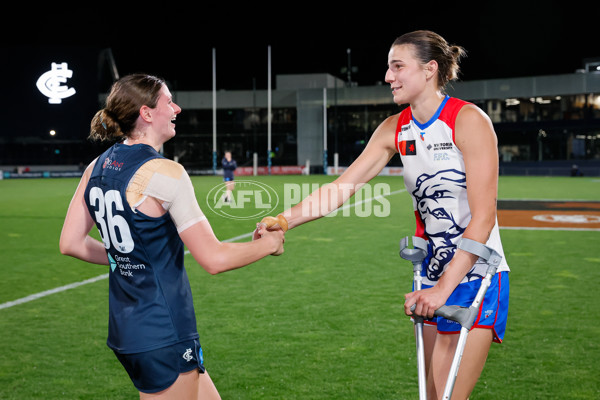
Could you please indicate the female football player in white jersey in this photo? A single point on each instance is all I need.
(146, 211)
(449, 152)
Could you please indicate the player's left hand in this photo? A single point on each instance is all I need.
(270, 224)
(427, 302)
(261, 232)
(274, 223)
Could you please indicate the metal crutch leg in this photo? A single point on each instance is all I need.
(416, 256)
(465, 316)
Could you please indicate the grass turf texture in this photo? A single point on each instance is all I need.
(322, 321)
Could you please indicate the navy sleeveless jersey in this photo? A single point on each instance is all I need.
(228, 168)
(150, 300)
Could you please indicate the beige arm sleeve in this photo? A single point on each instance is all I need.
(168, 182)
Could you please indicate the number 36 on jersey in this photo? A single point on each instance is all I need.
(112, 226)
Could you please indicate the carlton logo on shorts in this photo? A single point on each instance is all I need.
(187, 356)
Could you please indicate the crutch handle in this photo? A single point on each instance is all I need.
(465, 316)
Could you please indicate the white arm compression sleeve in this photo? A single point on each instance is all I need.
(168, 182)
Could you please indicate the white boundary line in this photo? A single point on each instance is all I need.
(104, 276)
(77, 284)
(368, 200)
(51, 291)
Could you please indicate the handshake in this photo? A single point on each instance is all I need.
(272, 228)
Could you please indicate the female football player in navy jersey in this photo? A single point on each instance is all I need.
(449, 152)
(229, 166)
(146, 211)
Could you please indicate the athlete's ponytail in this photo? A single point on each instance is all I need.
(104, 128)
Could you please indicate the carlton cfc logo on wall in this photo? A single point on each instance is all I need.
(50, 83)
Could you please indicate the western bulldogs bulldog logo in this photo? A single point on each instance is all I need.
(436, 201)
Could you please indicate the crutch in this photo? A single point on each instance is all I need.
(416, 255)
(465, 316)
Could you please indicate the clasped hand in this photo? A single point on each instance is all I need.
(273, 228)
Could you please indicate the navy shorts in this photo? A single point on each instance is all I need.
(228, 179)
(493, 310)
(156, 370)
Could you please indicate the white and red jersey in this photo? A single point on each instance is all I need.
(434, 175)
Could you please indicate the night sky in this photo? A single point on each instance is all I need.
(502, 39)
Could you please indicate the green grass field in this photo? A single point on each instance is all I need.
(322, 321)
